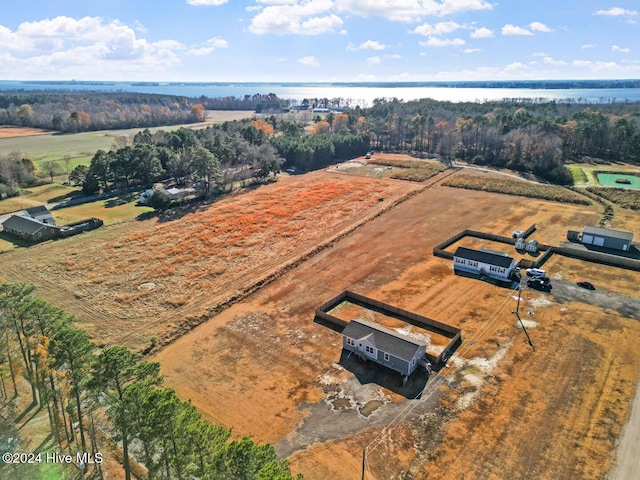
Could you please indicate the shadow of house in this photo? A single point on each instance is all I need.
(367, 372)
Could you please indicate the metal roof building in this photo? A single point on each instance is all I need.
(603, 237)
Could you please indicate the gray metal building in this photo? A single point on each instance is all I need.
(603, 237)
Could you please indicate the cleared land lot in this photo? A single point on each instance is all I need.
(81, 146)
(266, 369)
(128, 284)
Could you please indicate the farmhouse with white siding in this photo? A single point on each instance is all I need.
(384, 346)
(493, 265)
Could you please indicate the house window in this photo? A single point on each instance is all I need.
(386, 357)
(368, 349)
(413, 361)
(473, 264)
(493, 269)
(350, 341)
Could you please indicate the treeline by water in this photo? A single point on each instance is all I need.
(71, 112)
(87, 391)
(536, 137)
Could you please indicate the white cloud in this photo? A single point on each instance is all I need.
(539, 27)
(199, 3)
(296, 18)
(436, 29)
(482, 32)
(253, 8)
(368, 45)
(365, 78)
(208, 47)
(596, 66)
(471, 50)
(616, 48)
(410, 10)
(443, 42)
(514, 30)
(374, 60)
(89, 47)
(588, 45)
(552, 61)
(140, 27)
(309, 61)
(617, 12)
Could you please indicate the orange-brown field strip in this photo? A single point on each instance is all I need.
(264, 368)
(129, 284)
(15, 132)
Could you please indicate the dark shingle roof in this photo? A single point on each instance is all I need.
(384, 339)
(483, 257)
(39, 210)
(22, 224)
(605, 232)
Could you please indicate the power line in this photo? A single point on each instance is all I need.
(431, 386)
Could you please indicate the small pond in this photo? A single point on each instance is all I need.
(621, 180)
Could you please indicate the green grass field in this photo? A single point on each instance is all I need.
(35, 196)
(81, 146)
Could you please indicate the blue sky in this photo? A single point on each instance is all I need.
(319, 40)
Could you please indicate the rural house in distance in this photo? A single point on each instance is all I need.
(383, 346)
(480, 262)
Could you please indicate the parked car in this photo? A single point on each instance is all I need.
(538, 284)
(585, 284)
(536, 272)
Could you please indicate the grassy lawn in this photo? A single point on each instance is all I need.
(579, 176)
(112, 210)
(81, 146)
(35, 196)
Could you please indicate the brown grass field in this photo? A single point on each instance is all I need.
(14, 132)
(263, 367)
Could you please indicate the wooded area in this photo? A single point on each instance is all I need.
(71, 112)
(87, 390)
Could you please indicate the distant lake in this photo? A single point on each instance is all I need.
(358, 94)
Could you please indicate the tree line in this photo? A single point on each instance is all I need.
(530, 136)
(80, 385)
(215, 157)
(81, 111)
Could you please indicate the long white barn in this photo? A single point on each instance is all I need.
(493, 265)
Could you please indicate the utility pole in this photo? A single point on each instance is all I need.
(364, 453)
(517, 312)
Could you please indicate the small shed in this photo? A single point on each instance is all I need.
(573, 235)
(532, 246)
(41, 214)
(383, 346)
(603, 237)
(520, 243)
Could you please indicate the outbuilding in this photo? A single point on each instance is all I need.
(532, 246)
(41, 214)
(603, 237)
(383, 346)
(493, 265)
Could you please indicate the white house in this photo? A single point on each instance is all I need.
(493, 265)
(384, 346)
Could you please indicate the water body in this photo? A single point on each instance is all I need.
(362, 94)
(609, 179)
